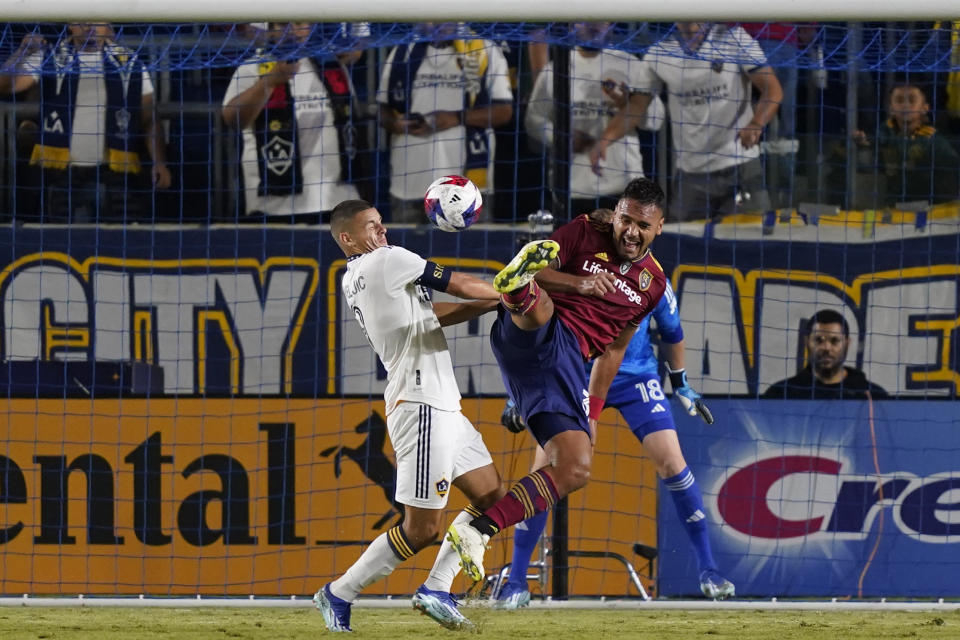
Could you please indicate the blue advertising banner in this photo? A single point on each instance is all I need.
(833, 498)
(255, 311)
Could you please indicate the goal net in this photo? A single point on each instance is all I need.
(191, 408)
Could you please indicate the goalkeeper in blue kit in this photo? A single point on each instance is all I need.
(637, 394)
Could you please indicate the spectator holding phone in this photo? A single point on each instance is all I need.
(440, 97)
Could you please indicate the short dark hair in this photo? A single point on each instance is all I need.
(345, 212)
(829, 316)
(644, 191)
(910, 81)
(601, 215)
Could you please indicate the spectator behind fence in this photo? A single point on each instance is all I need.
(440, 96)
(826, 377)
(707, 71)
(915, 163)
(519, 173)
(784, 45)
(96, 110)
(600, 81)
(298, 114)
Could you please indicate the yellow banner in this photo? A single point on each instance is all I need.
(247, 496)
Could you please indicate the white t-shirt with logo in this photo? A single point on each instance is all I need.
(709, 95)
(318, 144)
(397, 317)
(592, 111)
(88, 138)
(416, 161)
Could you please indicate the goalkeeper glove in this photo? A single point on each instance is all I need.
(511, 418)
(689, 398)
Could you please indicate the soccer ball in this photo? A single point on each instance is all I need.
(453, 203)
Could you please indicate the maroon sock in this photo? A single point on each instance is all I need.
(521, 300)
(531, 495)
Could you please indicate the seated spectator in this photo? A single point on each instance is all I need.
(600, 81)
(915, 162)
(708, 72)
(440, 98)
(96, 108)
(297, 116)
(826, 377)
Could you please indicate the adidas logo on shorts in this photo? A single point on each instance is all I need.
(657, 408)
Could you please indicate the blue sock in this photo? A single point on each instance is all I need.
(689, 503)
(526, 535)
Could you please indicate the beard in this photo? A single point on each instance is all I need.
(827, 369)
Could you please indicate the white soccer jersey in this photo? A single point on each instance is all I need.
(88, 138)
(318, 144)
(709, 95)
(439, 84)
(592, 111)
(398, 319)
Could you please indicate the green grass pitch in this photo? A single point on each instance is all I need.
(103, 623)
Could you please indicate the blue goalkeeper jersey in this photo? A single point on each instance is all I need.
(640, 358)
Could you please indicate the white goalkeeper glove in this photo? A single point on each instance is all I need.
(690, 399)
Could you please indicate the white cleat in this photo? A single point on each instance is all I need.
(533, 257)
(471, 545)
(715, 586)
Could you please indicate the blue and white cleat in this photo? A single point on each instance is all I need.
(440, 607)
(532, 258)
(512, 597)
(336, 612)
(715, 586)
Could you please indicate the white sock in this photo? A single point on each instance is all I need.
(447, 565)
(377, 561)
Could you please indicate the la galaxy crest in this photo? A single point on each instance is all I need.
(442, 487)
(646, 278)
(717, 66)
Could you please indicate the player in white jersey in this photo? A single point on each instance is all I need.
(388, 289)
(708, 71)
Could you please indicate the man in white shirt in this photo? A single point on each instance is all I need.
(299, 137)
(600, 81)
(708, 71)
(96, 109)
(439, 99)
(388, 290)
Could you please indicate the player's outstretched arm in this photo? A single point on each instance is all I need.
(450, 313)
(470, 287)
(598, 284)
(604, 370)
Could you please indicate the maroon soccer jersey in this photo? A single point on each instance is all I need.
(587, 248)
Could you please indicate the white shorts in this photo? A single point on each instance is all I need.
(433, 448)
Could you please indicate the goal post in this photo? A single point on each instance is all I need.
(190, 408)
(494, 11)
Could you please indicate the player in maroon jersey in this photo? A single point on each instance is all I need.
(588, 307)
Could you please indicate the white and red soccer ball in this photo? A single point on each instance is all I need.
(453, 203)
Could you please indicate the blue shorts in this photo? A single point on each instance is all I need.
(641, 402)
(543, 372)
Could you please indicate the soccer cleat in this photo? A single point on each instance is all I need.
(441, 607)
(336, 612)
(715, 586)
(512, 597)
(533, 257)
(470, 544)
